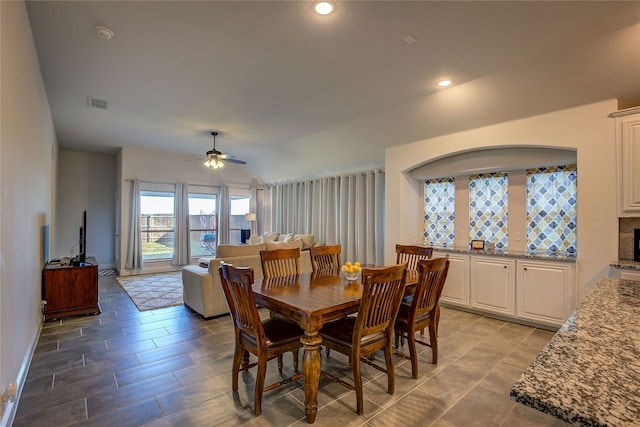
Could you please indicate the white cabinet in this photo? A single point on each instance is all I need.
(456, 287)
(545, 291)
(493, 284)
(628, 161)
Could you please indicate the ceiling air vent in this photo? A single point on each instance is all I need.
(97, 103)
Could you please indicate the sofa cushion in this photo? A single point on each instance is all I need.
(285, 237)
(270, 237)
(307, 240)
(285, 245)
(228, 251)
(255, 239)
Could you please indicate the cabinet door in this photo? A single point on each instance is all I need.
(492, 285)
(456, 287)
(628, 162)
(546, 292)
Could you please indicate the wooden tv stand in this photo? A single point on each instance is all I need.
(70, 290)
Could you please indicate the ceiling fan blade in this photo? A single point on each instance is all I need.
(240, 162)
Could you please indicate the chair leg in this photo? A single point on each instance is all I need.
(262, 371)
(238, 354)
(245, 358)
(433, 336)
(413, 354)
(357, 383)
(295, 359)
(437, 321)
(391, 380)
(280, 363)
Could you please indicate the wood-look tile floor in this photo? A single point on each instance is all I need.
(169, 367)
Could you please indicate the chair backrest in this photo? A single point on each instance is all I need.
(325, 257)
(412, 254)
(280, 262)
(236, 284)
(383, 289)
(432, 274)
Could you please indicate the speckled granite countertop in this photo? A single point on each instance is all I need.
(542, 255)
(626, 264)
(589, 372)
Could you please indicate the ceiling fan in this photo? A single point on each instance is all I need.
(215, 158)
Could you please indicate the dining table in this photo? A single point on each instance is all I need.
(312, 300)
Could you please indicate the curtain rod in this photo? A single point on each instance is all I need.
(319, 178)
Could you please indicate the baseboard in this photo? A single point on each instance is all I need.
(9, 408)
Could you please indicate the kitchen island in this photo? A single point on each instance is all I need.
(589, 372)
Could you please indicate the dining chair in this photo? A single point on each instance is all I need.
(372, 329)
(421, 312)
(264, 339)
(325, 257)
(411, 254)
(280, 262)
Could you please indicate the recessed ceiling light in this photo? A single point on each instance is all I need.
(445, 83)
(324, 7)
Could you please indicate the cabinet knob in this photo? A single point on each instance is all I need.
(525, 269)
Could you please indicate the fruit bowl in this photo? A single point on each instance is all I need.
(351, 271)
(352, 277)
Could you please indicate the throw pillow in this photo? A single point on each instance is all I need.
(254, 239)
(270, 237)
(284, 245)
(285, 237)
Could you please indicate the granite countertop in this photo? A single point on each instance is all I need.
(589, 372)
(538, 255)
(626, 264)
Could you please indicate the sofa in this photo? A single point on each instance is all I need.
(201, 287)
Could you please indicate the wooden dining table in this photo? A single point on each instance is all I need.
(311, 300)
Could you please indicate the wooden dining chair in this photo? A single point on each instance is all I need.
(411, 254)
(325, 257)
(264, 339)
(280, 262)
(372, 329)
(421, 312)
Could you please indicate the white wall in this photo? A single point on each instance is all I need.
(587, 129)
(86, 181)
(164, 167)
(27, 157)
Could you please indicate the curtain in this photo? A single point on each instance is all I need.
(347, 209)
(181, 242)
(253, 208)
(223, 222)
(134, 245)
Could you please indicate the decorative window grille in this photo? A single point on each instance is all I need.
(439, 211)
(551, 208)
(488, 208)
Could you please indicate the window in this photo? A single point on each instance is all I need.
(551, 208)
(203, 224)
(238, 207)
(439, 211)
(157, 224)
(488, 208)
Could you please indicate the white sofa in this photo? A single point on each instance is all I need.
(202, 290)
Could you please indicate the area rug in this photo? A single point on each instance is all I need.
(153, 291)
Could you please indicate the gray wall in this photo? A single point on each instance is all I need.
(28, 150)
(86, 181)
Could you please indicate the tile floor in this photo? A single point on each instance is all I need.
(169, 367)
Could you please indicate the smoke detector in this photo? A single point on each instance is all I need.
(103, 32)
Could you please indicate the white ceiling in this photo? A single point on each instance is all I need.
(298, 95)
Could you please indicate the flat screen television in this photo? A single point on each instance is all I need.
(82, 241)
